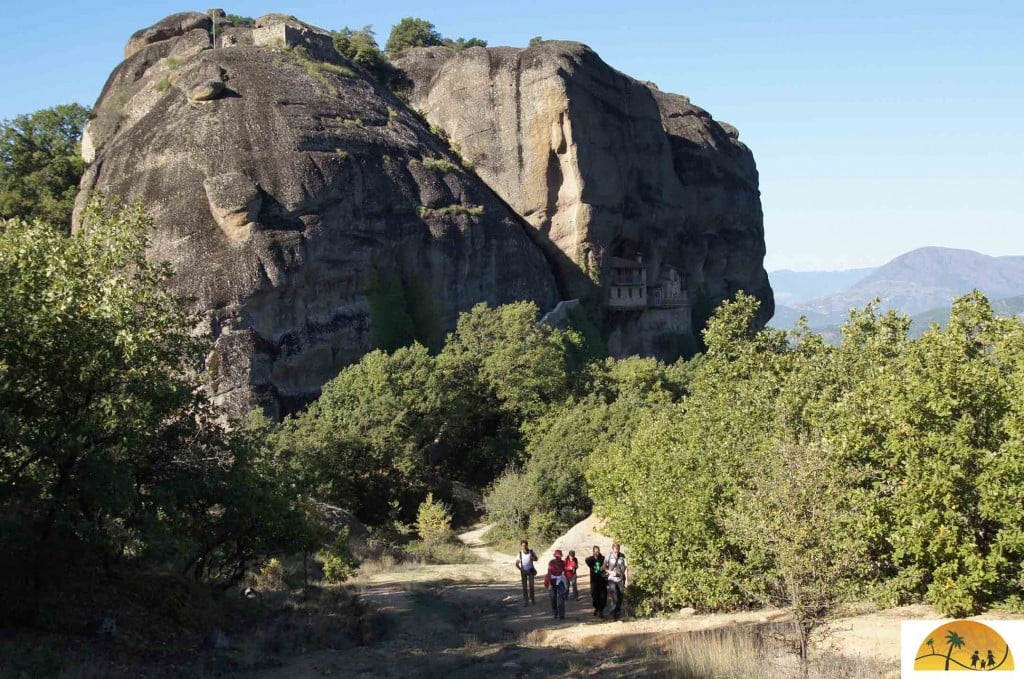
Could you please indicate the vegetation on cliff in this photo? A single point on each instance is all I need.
(414, 32)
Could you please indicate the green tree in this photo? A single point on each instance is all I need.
(551, 489)
(460, 44)
(412, 32)
(922, 434)
(41, 163)
(365, 442)
(797, 517)
(108, 450)
(433, 521)
(394, 427)
(240, 21)
(360, 47)
(521, 363)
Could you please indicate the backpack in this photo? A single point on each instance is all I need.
(616, 565)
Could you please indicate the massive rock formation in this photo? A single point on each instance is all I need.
(311, 215)
(307, 211)
(610, 172)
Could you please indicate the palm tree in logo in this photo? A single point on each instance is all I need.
(931, 644)
(955, 641)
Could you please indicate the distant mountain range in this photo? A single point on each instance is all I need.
(920, 282)
(793, 287)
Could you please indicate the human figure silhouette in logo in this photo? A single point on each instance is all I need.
(991, 659)
(974, 659)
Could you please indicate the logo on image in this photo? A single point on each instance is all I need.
(964, 645)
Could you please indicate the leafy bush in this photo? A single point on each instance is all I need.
(433, 521)
(339, 562)
(360, 47)
(270, 577)
(450, 552)
(241, 21)
(450, 210)
(504, 504)
(441, 164)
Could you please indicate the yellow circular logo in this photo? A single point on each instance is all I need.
(963, 645)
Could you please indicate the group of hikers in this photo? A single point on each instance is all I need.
(609, 577)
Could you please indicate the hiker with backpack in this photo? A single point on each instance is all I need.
(556, 584)
(572, 565)
(527, 571)
(618, 578)
(598, 581)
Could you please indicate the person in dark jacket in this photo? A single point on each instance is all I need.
(598, 581)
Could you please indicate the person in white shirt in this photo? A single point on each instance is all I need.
(527, 571)
(618, 578)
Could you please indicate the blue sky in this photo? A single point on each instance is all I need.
(877, 127)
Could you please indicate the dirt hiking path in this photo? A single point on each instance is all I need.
(457, 621)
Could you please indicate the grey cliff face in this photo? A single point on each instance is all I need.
(610, 172)
(286, 188)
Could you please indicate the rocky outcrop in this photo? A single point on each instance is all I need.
(302, 206)
(173, 26)
(606, 169)
(312, 216)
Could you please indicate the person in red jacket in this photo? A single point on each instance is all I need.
(572, 565)
(555, 584)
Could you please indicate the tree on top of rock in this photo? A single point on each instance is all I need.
(412, 32)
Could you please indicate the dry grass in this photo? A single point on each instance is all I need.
(449, 210)
(746, 654)
(441, 165)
